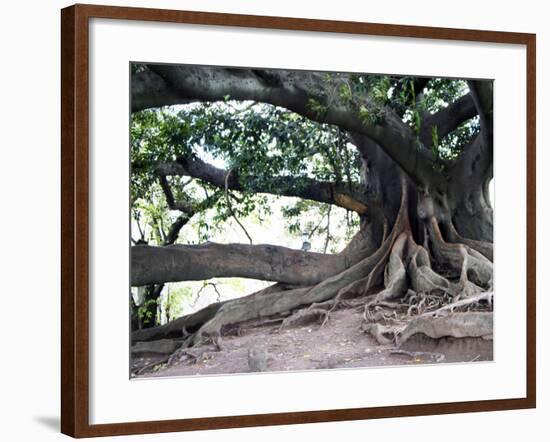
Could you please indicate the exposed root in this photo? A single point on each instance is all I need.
(179, 327)
(450, 298)
(306, 316)
(423, 279)
(419, 303)
(163, 346)
(384, 334)
(380, 314)
(152, 365)
(395, 275)
(470, 265)
(190, 356)
(457, 325)
(472, 303)
(420, 355)
(433, 300)
(483, 247)
(414, 293)
(252, 307)
(368, 269)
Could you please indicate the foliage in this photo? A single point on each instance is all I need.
(172, 302)
(263, 142)
(321, 221)
(263, 145)
(146, 313)
(260, 141)
(372, 94)
(451, 146)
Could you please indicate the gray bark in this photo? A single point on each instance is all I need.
(411, 209)
(447, 119)
(153, 265)
(293, 90)
(341, 194)
(456, 196)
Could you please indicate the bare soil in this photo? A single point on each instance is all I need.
(340, 343)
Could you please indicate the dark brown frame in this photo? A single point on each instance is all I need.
(74, 219)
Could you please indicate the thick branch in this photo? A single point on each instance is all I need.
(153, 265)
(340, 194)
(447, 119)
(174, 231)
(293, 90)
(482, 95)
(187, 208)
(150, 90)
(473, 170)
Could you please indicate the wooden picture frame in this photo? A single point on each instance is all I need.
(75, 219)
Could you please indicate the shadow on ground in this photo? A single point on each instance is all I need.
(50, 422)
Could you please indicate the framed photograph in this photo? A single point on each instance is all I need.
(272, 220)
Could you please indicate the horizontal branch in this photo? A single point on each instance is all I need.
(340, 194)
(150, 90)
(293, 90)
(155, 265)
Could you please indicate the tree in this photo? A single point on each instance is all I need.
(156, 226)
(412, 157)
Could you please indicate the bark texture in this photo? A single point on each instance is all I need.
(422, 260)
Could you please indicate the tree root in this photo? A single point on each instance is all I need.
(451, 300)
(384, 334)
(419, 303)
(483, 247)
(150, 365)
(253, 306)
(395, 275)
(457, 325)
(163, 346)
(190, 356)
(416, 355)
(305, 316)
(469, 304)
(189, 324)
(432, 300)
(423, 278)
(468, 264)
(179, 327)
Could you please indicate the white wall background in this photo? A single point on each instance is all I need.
(29, 221)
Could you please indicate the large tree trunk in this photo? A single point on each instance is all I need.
(426, 226)
(413, 252)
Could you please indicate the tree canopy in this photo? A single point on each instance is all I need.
(182, 155)
(408, 160)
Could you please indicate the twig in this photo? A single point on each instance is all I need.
(231, 207)
(317, 226)
(186, 183)
(141, 233)
(327, 239)
(206, 284)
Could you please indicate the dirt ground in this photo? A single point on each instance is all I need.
(340, 343)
